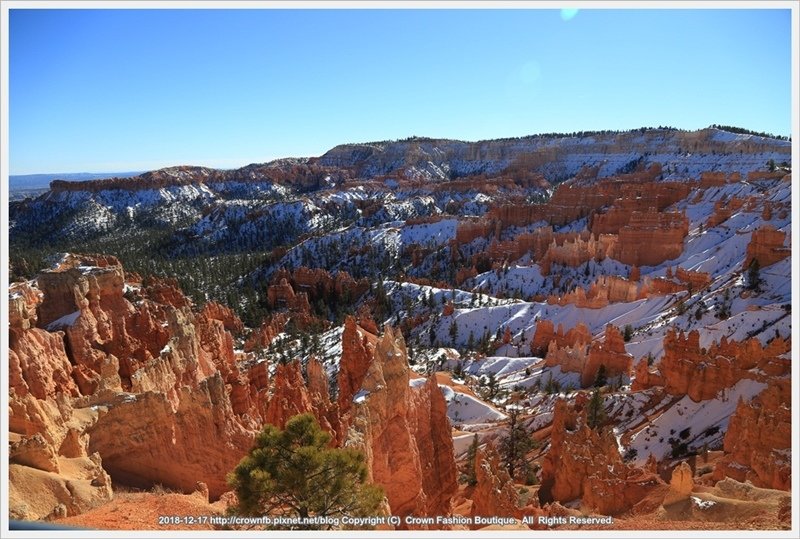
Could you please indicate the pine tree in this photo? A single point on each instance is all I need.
(595, 413)
(601, 379)
(472, 453)
(628, 333)
(754, 275)
(293, 472)
(516, 445)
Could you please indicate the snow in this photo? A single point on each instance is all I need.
(697, 416)
(465, 409)
(416, 383)
(65, 321)
(703, 504)
(360, 396)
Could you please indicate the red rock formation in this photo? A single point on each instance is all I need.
(545, 333)
(214, 311)
(494, 492)
(758, 175)
(145, 440)
(758, 441)
(718, 179)
(686, 369)
(651, 238)
(587, 359)
(365, 320)
(696, 279)
(38, 364)
(585, 463)
(645, 378)
(448, 309)
(571, 358)
(280, 294)
(681, 483)
(572, 201)
(23, 301)
(534, 243)
(262, 337)
(471, 229)
(462, 274)
(577, 252)
(289, 395)
(766, 213)
(767, 246)
(723, 209)
(326, 411)
(611, 354)
(189, 412)
(605, 290)
(507, 335)
(358, 347)
(166, 291)
(406, 433)
(658, 286)
(314, 283)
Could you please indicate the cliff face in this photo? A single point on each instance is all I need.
(686, 369)
(292, 395)
(577, 355)
(585, 463)
(151, 389)
(494, 492)
(651, 238)
(766, 246)
(545, 333)
(758, 441)
(358, 347)
(405, 433)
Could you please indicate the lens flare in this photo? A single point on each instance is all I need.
(567, 14)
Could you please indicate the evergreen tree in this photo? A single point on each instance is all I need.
(628, 333)
(754, 275)
(516, 445)
(453, 331)
(601, 379)
(472, 453)
(595, 413)
(293, 472)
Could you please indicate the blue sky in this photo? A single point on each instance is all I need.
(117, 90)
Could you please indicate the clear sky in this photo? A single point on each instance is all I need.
(118, 90)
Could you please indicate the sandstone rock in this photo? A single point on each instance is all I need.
(34, 451)
(23, 301)
(214, 311)
(686, 369)
(39, 363)
(651, 238)
(758, 441)
(145, 439)
(494, 492)
(610, 354)
(681, 484)
(35, 494)
(584, 463)
(357, 349)
(404, 432)
(262, 337)
(588, 358)
(723, 209)
(767, 246)
(469, 230)
(545, 333)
